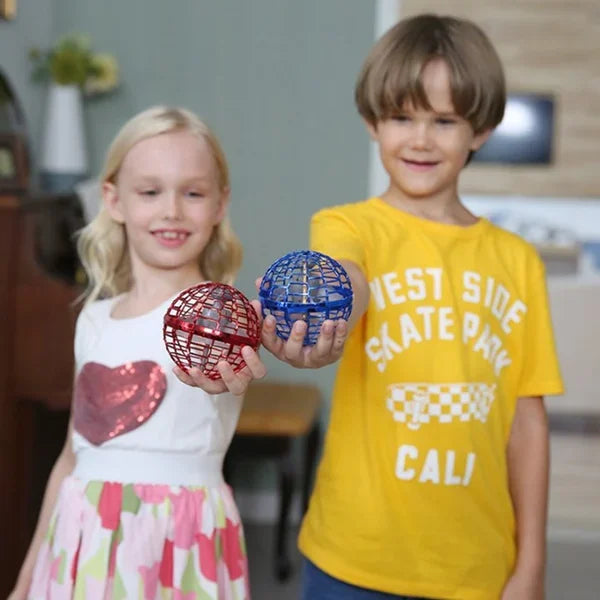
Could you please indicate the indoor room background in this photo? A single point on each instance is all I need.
(274, 79)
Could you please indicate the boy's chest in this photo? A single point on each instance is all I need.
(464, 309)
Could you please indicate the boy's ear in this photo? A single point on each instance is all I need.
(371, 128)
(110, 198)
(479, 139)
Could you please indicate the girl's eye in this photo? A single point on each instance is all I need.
(401, 118)
(444, 121)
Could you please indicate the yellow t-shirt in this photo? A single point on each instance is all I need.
(411, 495)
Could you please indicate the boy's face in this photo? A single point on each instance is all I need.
(423, 150)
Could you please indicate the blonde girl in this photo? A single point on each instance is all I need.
(136, 505)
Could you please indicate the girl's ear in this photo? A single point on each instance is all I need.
(110, 197)
(479, 139)
(223, 206)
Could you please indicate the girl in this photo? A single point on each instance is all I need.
(142, 510)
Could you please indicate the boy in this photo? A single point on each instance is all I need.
(434, 477)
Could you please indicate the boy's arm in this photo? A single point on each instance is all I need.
(528, 466)
(330, 343)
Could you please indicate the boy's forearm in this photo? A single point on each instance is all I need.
(528, 466)
(360, 288)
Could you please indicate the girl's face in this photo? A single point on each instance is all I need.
(424, 150)
(167, 196)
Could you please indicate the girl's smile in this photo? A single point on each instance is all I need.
(171, 238)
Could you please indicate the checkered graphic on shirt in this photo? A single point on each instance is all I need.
(419, 403)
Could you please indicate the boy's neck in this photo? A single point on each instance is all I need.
(449, 210)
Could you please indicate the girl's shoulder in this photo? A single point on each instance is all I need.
(99, 308)
(96, 313)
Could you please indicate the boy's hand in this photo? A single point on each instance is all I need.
(236, 383)
(328, 348)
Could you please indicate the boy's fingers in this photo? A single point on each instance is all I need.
(324, 343)
(269, 336)
(292, 349)
(257, 309)
(339, 337)
(257, 282)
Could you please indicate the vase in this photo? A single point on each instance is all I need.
(63, 159)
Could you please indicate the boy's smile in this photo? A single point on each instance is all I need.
(424, 149)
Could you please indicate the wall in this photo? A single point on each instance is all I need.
(546, 46)
(33, 25)
(274, 80)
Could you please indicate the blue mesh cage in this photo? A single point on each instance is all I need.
(308, 286)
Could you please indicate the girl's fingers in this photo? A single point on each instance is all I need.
(235, 383)
(183, 376)
(195, 378)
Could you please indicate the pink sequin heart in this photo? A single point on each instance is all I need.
(109, 402)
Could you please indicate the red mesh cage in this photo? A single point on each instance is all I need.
(207, 323)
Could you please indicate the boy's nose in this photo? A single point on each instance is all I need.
(421, 135)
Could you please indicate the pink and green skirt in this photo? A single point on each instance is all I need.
(112, 541)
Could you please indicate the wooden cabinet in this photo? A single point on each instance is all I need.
(37, 321)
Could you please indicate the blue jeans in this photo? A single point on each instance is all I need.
(317, 585)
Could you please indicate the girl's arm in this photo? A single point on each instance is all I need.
(528, 465)
(330, 343)
(62, 467)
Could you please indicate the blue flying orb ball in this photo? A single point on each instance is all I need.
(305, 286)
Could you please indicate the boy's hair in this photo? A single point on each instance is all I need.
(392, 73)
(102, 244)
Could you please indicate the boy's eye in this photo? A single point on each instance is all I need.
(445, 121)
(401, 118)
(148, 192)
(195, 194)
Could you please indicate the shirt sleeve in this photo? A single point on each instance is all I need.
(333, 233)
(541, 373)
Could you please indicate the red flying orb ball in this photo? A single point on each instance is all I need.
(208, 323)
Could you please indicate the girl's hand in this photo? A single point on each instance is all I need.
(236, 383)
(328, 348)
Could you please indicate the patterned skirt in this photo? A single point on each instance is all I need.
(112, 541)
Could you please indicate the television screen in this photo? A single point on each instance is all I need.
(525, 134)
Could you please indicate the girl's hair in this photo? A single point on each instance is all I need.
(393, 71)
(102, 244)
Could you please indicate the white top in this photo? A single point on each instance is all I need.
(183, 442)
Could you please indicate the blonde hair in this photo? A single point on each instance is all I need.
(392, 73)
(102, 244)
